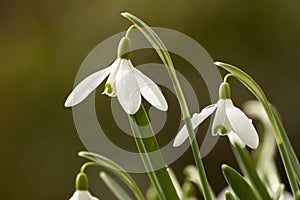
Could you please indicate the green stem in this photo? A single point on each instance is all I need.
(151, 156)
(86, 165)
(166, 59)
(129, 30)
(206, 189)
(258, 92)
(102, 162)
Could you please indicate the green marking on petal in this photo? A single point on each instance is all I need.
(221, 130)
(108, 88)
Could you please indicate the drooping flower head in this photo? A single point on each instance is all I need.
(124, 81)
(82, 192)
(228, 120)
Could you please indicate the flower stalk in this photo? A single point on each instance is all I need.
(166, 59)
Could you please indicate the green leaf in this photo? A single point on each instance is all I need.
(116, 169)
(240, 187)
(249, 170)
(229, 196)
(118, 191)
(175, 182)
(151, 156)
(297, 195)
(288, 145)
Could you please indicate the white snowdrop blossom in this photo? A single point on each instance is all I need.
(124, 81)
(82, 195)
(228, 120)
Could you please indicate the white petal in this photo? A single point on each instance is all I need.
(82, 195)
(242, 125)
(112, 78)
(86, 86)
(196, 120)
(150, 91)
(220, 118)
(234, 138)
(127, 88)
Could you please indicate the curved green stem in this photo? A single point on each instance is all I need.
(103, 162)
(226, 77)
(166, 59)
(282, 146)
(129, 30)
(86, 165)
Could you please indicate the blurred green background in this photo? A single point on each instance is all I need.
(43, 43)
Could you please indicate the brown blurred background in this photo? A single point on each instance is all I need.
(42, 44)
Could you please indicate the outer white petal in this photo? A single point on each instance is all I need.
(86, 86)
(82, 195)
(220, 116)
(150, 91)
(242, 125)
(127, 88)
(196, 120)
(234, 138)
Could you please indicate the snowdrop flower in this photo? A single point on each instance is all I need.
(82, 195)
(124, 81)
(82, 192)
(229, 120)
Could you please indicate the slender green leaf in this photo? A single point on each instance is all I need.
(297, 195)
(249, 170)
(288, 145)
(151, 156)
(116, 169)
(118, 191)
(175, 182)
(240, 187)
(229, 196)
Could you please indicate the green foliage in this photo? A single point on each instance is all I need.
(249, 170)
(150, 153)
(238, 184)
(119, 192)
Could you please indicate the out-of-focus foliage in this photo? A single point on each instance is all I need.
(42, 44)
